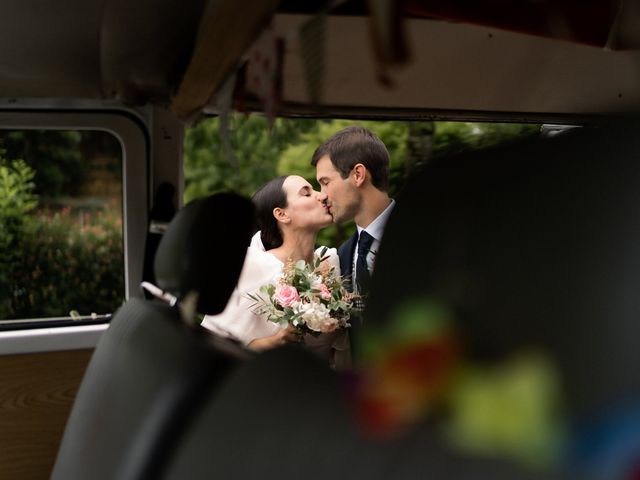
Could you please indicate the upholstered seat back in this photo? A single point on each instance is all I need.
(151, 369)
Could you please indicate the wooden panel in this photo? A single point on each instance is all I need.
(36, 395)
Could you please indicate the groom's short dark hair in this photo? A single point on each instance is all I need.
(356, 144)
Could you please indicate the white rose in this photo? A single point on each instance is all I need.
(316, 317)
(316, 281)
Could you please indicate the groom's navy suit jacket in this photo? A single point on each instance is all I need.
(345, 254)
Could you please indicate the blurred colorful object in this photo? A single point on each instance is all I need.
(405, 369)
(509, 409)
(608, 447)
(415, 372)
(415, 369)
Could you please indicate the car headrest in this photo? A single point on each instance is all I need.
(203, 250)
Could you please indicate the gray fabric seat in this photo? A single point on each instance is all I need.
(284, 414)
(275, 416)
(152, 368)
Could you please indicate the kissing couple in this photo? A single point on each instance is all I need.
(352, 169)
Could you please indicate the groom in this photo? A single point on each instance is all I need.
(352, 168)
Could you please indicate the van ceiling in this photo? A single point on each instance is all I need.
(178, 53)
(134, 50)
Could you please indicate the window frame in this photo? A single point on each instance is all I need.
(130, 128)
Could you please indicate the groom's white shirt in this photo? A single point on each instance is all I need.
(375, 229)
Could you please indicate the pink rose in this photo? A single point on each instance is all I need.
(286, 295)
(325, 293)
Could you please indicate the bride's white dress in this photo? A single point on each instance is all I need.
(238, 320)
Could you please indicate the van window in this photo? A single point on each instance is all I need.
(251, 151)
(61, 224)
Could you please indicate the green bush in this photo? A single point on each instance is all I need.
(69, 262)
(16, 201)
(52, 262)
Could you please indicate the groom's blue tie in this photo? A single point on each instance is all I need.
(363, 277)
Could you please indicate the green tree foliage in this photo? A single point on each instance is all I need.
(455, 137)
(247, 158)
(259, 154)
(53, 154)
(17, 200)
(52, 263)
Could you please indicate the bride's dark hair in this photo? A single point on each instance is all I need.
(269, 196)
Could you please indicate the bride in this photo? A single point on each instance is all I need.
(289, 214)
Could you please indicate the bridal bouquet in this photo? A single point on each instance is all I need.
(311, 297)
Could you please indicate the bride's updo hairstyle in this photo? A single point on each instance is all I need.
(269, 196)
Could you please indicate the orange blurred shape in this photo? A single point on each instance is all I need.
(403, 385)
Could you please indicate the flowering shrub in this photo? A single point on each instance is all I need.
(68, 261)
(311, 297)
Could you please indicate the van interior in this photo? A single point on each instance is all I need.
(524, 259)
